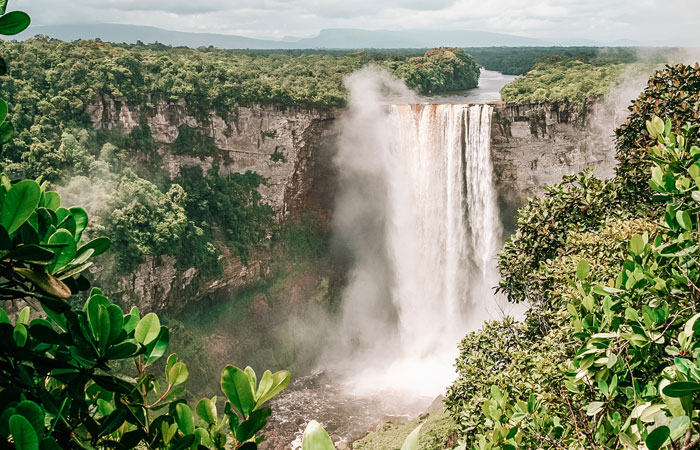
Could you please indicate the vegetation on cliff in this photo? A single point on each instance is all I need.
(607, 356)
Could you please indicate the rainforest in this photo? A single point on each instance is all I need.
(417, 245)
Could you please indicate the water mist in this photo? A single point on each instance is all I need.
(417, 210)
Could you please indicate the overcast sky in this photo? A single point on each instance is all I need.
(674, 22)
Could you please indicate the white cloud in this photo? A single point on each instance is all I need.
(650, 21)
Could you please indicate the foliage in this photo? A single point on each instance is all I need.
(58, 384)
(673, 92)
(521, 60)
(229, 204)
(316, 438)
(441, 69)
(573, 81)
(617, 282)
(437, 429)
(191, 141)
(580, 203)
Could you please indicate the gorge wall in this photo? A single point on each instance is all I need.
(289, 147)
(531, 145)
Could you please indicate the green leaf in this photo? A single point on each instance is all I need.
(255, 422)
(184, 418)
(271, 385)
(3, 63)
(81, 221)
(178, 373)
(147, 329)
(23, 433)
(62, 256)
(637, 245)
(34, 415)
(681, 389)
(236, 385)
(684, 221)
(3, 6)
(206, 409)
(19, 203)
(411, 442)
(52, 200)
(122, 350)
(582, 270)
(316, 438)
(116, 321)
(14, 23)
(158, 346)
(6, 132)
(678, 426)
(3, 110)
(99, 245)
(657, 438)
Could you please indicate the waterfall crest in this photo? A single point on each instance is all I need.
(418, 210)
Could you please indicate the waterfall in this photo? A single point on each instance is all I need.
(417, 209)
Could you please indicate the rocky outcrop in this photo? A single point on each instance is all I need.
(281, 144)
(290, 147)
(535, 144)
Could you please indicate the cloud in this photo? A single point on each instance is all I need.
(669, 22)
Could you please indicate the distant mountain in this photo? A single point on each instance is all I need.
(338, 38)
(352, 38)
(119, 33)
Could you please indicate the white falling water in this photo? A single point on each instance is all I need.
(418, 210)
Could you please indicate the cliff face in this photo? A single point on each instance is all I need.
(286, 146)
(534, 145)
(531, 145)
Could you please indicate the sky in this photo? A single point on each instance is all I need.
(655, 22)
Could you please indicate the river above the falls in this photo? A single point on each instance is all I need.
(489, 90)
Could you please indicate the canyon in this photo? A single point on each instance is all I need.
(532, 145)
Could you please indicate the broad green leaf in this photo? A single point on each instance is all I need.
(255, 422)
(3, 6)
(271, 385)
(19, 203)
(582, 270)
(236, 385)
(684, 221)
(34, 415)
(7, 131)
(678, 426)
(3, 110)
(681, 389)
(411, 442)
(637, 245)
(52, 200)
(23, 433)
(64, 255)
(81, 221)
(184, 418)
(158, 346)
(147, 329)
(253, 380)
(14, 23)
(122, 350)
(316, 438)
(99, 245)
(116, 322)
(178, 373)
(657, 438)
(206, 409)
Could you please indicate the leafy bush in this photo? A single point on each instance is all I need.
(58, 385)
(619, 287)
